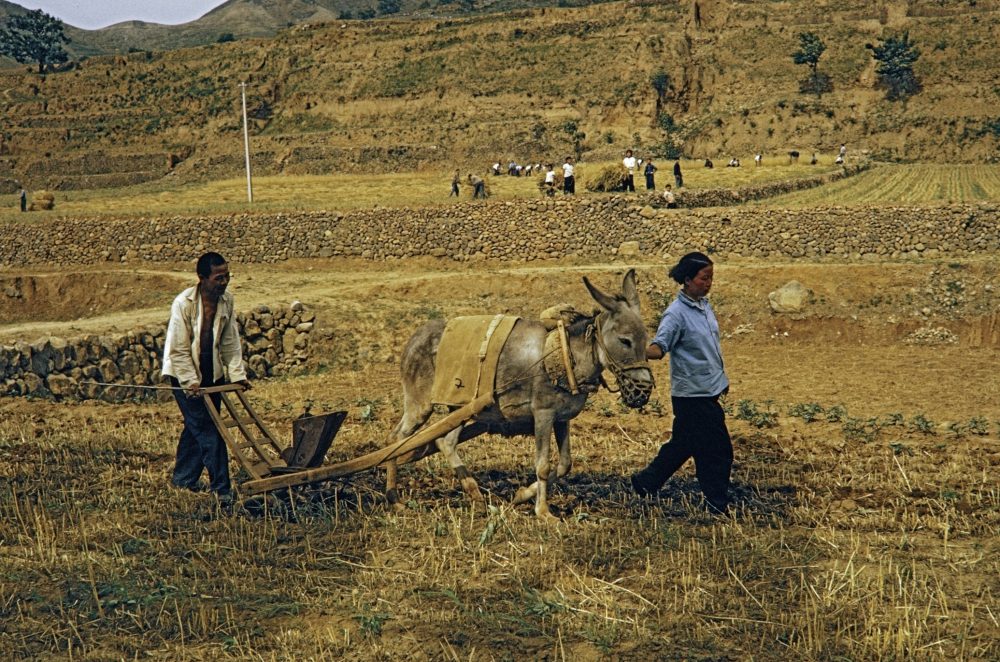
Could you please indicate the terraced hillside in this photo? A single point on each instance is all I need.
(374, 96)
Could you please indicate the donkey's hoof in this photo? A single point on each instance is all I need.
(471, 488)
(525, 494)
(546, 516)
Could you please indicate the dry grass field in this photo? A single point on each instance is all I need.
(903, 184)
(884, 184)
(866, 462)
(344, 191)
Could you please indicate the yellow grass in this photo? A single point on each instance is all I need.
(903, 184)
(425, 188)
(864, 538)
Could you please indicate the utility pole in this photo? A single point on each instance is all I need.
(246, 141)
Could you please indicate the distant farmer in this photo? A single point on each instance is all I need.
(650, 172)
(23, 197)
(758, 158)
(202, 346)
(569, 181)
(678, 177)
(843, 152)
(689, 333)
(628, 181)
(454, 184)
(550, 181)
(478, 186)
(668, 197)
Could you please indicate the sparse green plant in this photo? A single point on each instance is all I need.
(655, 406)
(371, 623)
(860, 430)
(836, 414)
(978, 425)
(541, 606)
(369, 409)
(894, 419)
(387, 7)
(747, 410)
(807, 411)
(900, 448)
(921, 423)
(428, 312)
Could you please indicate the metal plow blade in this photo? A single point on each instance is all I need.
(311, 439)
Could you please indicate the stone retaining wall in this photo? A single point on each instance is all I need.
(275, 340)
(589, 226)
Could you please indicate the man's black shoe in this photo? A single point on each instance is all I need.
(196, 487)
(722, 508)
(638, 487)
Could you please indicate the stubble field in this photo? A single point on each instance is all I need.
(865, 434)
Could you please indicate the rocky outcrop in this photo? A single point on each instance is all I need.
(791, 297)
(276, 339)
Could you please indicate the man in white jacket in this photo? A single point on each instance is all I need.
(203, 349)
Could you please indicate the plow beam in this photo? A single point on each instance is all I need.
(407, 449)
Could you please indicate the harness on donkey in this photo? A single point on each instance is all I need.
(563, 320)
(469, 351)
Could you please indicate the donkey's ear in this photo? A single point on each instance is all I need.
(629, 290)
(607, 302)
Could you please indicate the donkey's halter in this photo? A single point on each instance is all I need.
(634, 393)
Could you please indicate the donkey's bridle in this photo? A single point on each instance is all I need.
(634, 393)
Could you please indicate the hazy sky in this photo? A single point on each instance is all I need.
(93, 14)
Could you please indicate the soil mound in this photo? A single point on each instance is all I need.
(69, 296)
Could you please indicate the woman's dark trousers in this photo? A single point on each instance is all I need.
(699, 431)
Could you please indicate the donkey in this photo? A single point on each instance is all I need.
(526, 401)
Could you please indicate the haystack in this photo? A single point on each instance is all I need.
(608, 180)
(42, 200)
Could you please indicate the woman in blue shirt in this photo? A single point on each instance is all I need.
(689, 333)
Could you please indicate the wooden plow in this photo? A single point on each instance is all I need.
(273, 467)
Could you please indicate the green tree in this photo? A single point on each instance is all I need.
(572, 129)
(388, 6)
(34, 37)
(895, 57)
(811, 48)
(660, 80)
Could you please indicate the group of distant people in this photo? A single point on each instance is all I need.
(630, 165)
(793, 156)
(515, 169)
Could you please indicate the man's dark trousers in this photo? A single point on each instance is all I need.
(200, 446)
